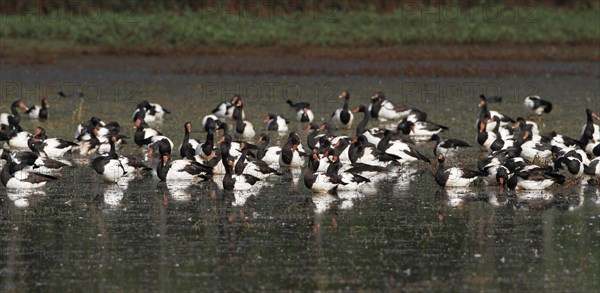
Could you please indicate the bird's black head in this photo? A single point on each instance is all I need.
(345, 95)
(226, 138)
(294, 137)
(5, 155)
(361, 108)
(143, 105)
(269, 117)
(377, 96)
(95, 121)
(362, 139)
(40, 133)
(312, 126)
(263, 137)
(405, 126)
(165, 159)
(482, 100)
(187, 127)
(441, 158)
(18, 104)
(502, 176)
(141, 114)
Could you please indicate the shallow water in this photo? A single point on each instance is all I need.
(409, 235)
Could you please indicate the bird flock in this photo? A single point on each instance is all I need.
(515, 154)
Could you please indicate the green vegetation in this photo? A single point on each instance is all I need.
(188, 29)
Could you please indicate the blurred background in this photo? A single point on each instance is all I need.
(45, 29)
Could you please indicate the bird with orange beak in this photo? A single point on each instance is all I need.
(276, 122)
(12, 119)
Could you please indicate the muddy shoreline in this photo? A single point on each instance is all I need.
(30, 54)
(253, 62)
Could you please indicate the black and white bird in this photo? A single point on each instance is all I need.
(574, 152)
(14, 177)
(227, 145)
(422, 130)
(39, 112)
(225, 110)
(210, 122)
(98, 141)
(361, 151)
(143, 132)
(132, 166)
(384, 110)
(348, 181)
(590, 130)
(12, 119)
(592, 168)
(535, 105)
(573, 166)
(189, 145)
(276, 122)
(253, 166)
(531, 149)
(485, 115)
(559, 140)
(18, 139)
(342, 117)
(589, 146)
(292, 152)
(341, 148)
(108, 165)
(160, 144)
(204, 149)
(32, 161)
(182, 169)
(361, 127)
(303, 111)
(535, 178)
(505, 179)
(416, 115)
(493, 141)
(405, 152)
(454, 177)
(313, 137)
(266, 153)
(150, 138)
(507, 158)
(521, 123)
(51, 147)
(243, 128)
(153, 112)
(371, 172)
(319, 181)
(590, 134)
(447, 147)
(235, 182)
(85, 129)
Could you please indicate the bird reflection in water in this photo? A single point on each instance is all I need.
(456, 197)
(24, 197)
(113, 194)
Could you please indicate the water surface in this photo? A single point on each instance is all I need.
(82, 233)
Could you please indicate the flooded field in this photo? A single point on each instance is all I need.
(408, 235)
